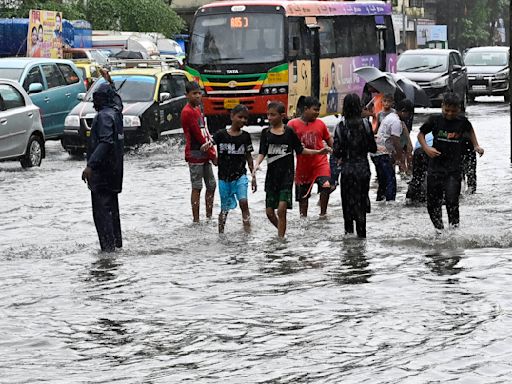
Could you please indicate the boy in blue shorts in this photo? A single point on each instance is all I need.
(278, 143)
(234, 147)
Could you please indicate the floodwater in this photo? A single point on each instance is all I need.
(179, 304)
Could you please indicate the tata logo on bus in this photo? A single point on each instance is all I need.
(232, 84)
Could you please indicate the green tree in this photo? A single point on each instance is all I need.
(71, 10)
(121, 15)
(134, 15)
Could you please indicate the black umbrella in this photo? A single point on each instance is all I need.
(381, 81)
(125, 54)
(411, 90)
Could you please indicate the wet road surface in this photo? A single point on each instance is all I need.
(180, 305)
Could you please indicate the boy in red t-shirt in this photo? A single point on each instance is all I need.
(196, 134)
(313, 133)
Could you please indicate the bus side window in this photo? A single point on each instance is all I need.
(327, 36)
(295, 39)
(344, 43)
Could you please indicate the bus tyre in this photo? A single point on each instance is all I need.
(34, 153)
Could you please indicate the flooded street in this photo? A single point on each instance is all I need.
(179, 304)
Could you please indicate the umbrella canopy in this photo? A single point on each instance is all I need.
(125, 54)
(411, 90)
(381, 81)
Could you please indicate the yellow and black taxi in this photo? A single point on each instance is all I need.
(90, 71)
(152, 102)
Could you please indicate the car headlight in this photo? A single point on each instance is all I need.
(131, 121)
(439, 83)
(501, 75)
(72, 121)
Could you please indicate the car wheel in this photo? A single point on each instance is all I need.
(507, 97)
(34, 153)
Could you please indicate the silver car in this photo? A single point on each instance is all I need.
(21, 131)
(488, 72)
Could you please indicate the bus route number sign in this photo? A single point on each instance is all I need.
(238, 22)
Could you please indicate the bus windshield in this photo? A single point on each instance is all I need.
(237, 38)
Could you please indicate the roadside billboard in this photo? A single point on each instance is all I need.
(44, 34)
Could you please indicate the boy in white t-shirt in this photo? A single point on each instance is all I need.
(389, 150)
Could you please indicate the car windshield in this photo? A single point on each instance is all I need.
(497, 59)
(422, 63)
(11, 73)
(240, 38)
(131, 88)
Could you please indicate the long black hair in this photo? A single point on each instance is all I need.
(352, 107)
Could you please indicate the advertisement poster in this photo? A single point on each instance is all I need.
(44, 34)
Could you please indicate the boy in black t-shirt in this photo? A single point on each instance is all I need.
(234, 148)
(278, 143)
(444, 170)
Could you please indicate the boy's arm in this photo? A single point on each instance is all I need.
(426, 128)
(323, 151)
(193, 128)
(256, 166)
(250, 164)
(474, 141)
(430, 151)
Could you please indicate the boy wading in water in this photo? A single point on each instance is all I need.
(444, 169)
(234, 147)
(196, 134)
(312, 132)
(278, 143)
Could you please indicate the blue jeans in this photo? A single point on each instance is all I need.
(386, 177)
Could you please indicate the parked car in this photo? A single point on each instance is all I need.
(152, 97)
(488, 72)
(21, 131)
(437, 71)
(52, 84)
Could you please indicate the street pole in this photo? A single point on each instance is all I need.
(404, 31)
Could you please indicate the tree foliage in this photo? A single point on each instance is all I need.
(134, 15)
(472, 22)
(122, 15)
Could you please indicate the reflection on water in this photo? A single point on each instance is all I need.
(180, 304)
(104, 269)
(445, 263)
(354, 267)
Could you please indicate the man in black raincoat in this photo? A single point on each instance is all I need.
(104, 171)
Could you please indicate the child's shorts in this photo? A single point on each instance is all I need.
(231, 192)
(303, 191)
(274, 197)
(200, 172)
